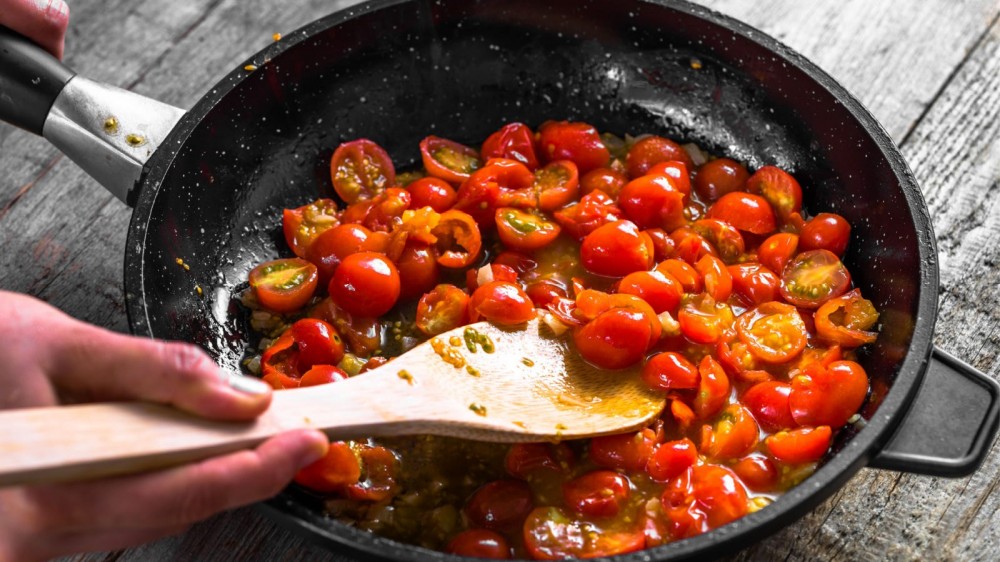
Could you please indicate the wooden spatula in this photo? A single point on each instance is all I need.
(479, 382)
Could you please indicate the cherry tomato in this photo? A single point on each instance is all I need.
(615, 339)
(513, 141)
(683, 272)
(663, 244)
(556, 184)
(661, 291)
(520, 263)
(624, 451)
(418, 270)
(498, 273)
(579, 142)
(501, 302)
(322, 374)
(593, 211)
(724, 237)
(736, 358)
(316, 343)
(672, 458)
(338, 468)
(768, 401)
(757, 472)
(828, 396)
(689, 246)
(676, 171)
(802, 445)
(747, 212)
(284, 285)
(713, 388)
(608, 180)
(779, 188)
(365, 284)
(479, 543)
(448, 160)
(600, 493)
(524, 230)
(653, 201)
(774, 332)
(702, 320)
(719, 177)
(363, 333)
(718, 281)
(617, 249)
(432, 192)
(754, 283)
(501, 504)
(670, 371)
(653, 150)
(845, 319)
(383, 212)
(458, 239)
(442, 309)
(709, 495)
(360, 170)
(379, 469)
(632, 302)
(733, 435)
(814, 277)
(481, 193)
(523, 460)
(544, 292)
(335, 244)
(825, 231)
(302, 225)
(777, 250)
(552, 534)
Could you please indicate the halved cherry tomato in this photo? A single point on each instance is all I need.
(846, 319)
(653, 201)
(524, 230)
(514, 141)
(332, 246)
(579, 142)
(448, 160)
(458, 239)
(814, 277)
(718, 281)
(670, 371)
(745, 211)
(802, 445)
(754, 283)
(710, 496)
(383, 212)
(365, 284)
(719, 177)
(498, 272)
(302, 225)
(768, 401)
(481, 193)
(432, 192)
(479, 543)
(690, 246)
(501, 504)
(322, 374)
(363, 333)
(380, 467)
(757, 472)
(779, 188)
(600, 493)
(777, 250)
(617, 249)
(703, 320)
(335, 470)
(825, 231)
(361, 170)
(828, 396)
(418, 269)
(501, 302)
(733, 435)
(608, 180)
(284, 285)
(683, 272)
(615, 339)
(525, 459)
(736, 358)
(773, 331)
(723, 236)
(556, 184)
(663, 245)
(672, 458)
(653, 150)
(624, 451)
(661, 291)
(444, 308)
(713, 388)
(594, 210)
(552, 534)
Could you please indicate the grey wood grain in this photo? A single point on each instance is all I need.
(928, 70)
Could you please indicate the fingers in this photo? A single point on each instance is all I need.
(42, 21)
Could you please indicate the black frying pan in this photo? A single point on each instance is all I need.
(212, 189)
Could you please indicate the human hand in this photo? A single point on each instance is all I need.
(47, 358)
(42, 21)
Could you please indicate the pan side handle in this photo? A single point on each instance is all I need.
(107, 131)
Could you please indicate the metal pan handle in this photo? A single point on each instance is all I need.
(951, 424)
(107, 131)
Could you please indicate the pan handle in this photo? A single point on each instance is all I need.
(951, 424)
(107, 131)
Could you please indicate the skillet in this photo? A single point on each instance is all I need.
(208, 185)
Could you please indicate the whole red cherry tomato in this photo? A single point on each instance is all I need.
(608, 180)
(335, 244)
(600, 493)
(360, 170)
(501, 302)
(828, 396)
(745, 211)
(365, 284)
(337, 469)
(653, 201)
(757, 472)
(825, 231)
(418, 269)
(617, 249)
(651, 150)
(624, 451)
(768, 401)
(802, 445)
(777, 250)
(302, 225)
(317, 343)
(444, 308)
(672, 458)
(479, 543)
(501, 504)
(676, 171)
(524, 230)
(670, 371)
(814, 277)
(615, 339)
(719, 177)
(660, 290)
(779, 188)
(432, 192)
(754, 283)
(284, 285)
(448, 160)
(702, 498)
(579, 142)
(683, 272)
(514, 141)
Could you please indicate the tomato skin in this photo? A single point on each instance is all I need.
(825, 231)
(802, 445)
(432, 192)
(828, 396)
(711, 495)
(713, 388)
(362, 333)
(514, 141)
(361, 169)
(779, 188)
(670, 371)
(338, 468)
(774, 332)
(813, 277)
(719, 177)
(302, 225)
(557, 184)
(608, 180)
(661, 291)
(501, 504)
(380, 469)
(525, 231)
(335, 244)
(676, 171)
(745, 211)
(652, 150)
(578, 142)
(544, 292)
(458, 239)
(593, 211)
(448, 160)
(525, 459)
(733, 436)
(724, 237)
(418, 270)
(757, 472)
(718, 280)
(322, 374)
(552, 534)
(672, 458)
(857, 316)
(284, 285)
(317, 343)
(498, 271)
(617, 249)
(482, 192)
(653, 201)
(443, 308)
(624, 451)
(777, 250)
(683, 272)
(365, 284)
(479, 543)
(501, 302)
(600, 493)
(702, 320)
(768, 402)
(663, 244)
(754, 283)
(615, 339)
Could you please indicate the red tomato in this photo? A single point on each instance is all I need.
(593, 211)
(514, 141)
(814, 277)
(624, 451)
(363, 333)
(670, 371)
(365, 284)
(302, 225)
(677, 171)
(608, 180)
(653, 201)
(501, 302)
(284, 285)
(779, 188)
(544, 292)
(718, 281)
(733, 435)
(768, 401)
(556, 184)
(845, 319)
(524, 230)
(579, 142)
(690, 246)
(615, 339)
(432, 192)
(444, 308)
(501, 504)
(663, 245)
(316, 343)
(600, 493)
(322, 374)
(525, 459)
(777, 250)
(754, 283)
(498, 271)
(671, 459)
(661, 291)
(458, 239)
(745, 211)
(724, 237)
(335, 244)
(736, 358)
(617, 249)
(774, 332)
(448, 160)
(653, 150)
(683, 272)
(479, 543)
(520, 263)
(825, 231)
(337, 469)
(418, 270)
(702, 320)
(713, 388)
(384, 211)
(719, 177)
(482, 192)
(380, 467)
(551, 534)
(710, 495)
(828, 396)
(360, 170)
(757, 472)
(802, 445)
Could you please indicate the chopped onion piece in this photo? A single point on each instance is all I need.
(696, 154)
(671, 327)
(556, 325)
(484, 275)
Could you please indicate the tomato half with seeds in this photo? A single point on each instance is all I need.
(338, 468)
(703, 320)
(579, 142)
(557, 184)
(380, 467)
(672, 458)
(745, 211)
(284, 285)
(825, 231)
(779, 188)
(524, 230)
(600, 493)
(432, 192)
(802, 445)
(617, 249)
(501, 504)
(719, 177)
(709, 496)
(608, 180)
(733, 435)
(726, 239)
(846, 320)
(814, 277)
(513, 141)
(479, 543)
(651, 150)
(302, 225)
(624, 451)
(442, 309)
(768, 401)
(661, 291)
(480, 195)
(360, 170)
(774, 332)
(365, 284)
(501, 302)
(552, 534)
(448, 160)
(828, 396)
(653, 201)
(458, 239)
(594, 210)
(754, 283)
(670, 371)
(713, 388)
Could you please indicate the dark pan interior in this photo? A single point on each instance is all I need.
(395, 72)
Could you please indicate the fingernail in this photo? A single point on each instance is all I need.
(248, 385)
(317, 450)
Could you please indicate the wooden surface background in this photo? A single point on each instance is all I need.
(928, 70)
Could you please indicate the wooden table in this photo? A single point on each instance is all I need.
(928, 70)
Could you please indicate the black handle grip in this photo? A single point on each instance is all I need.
(951, 424)
(30, 80)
